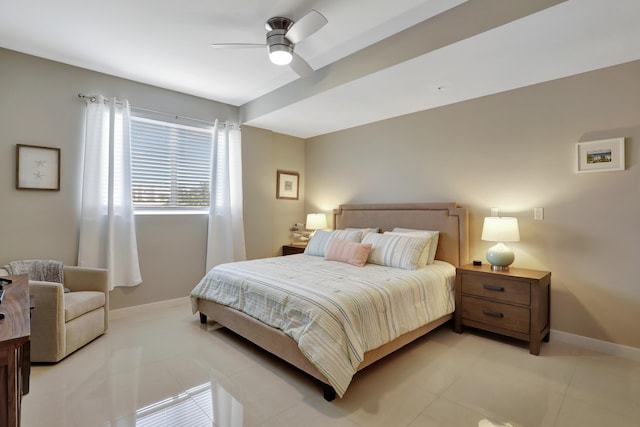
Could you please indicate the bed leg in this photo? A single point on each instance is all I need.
(203, 318)
(329, 392)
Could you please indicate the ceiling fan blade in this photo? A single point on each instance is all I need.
(300, 66)
(305, 26)
(236, 45)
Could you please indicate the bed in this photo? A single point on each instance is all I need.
(287, 342)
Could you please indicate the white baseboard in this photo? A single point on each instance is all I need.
(597, 345)
(147, 308)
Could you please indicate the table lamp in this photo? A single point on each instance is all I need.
(500, 229)
(316, 221)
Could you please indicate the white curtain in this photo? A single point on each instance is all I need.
(226, 226)
(107, 223)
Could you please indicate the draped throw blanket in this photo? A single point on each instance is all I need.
(37, 269)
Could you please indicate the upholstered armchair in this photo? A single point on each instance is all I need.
(62, 322)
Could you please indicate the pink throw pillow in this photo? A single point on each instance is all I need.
(349, 252)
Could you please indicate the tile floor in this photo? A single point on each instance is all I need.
(162, 368)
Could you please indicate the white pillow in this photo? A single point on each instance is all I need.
(433, 246)
(395, 250)
(319, 242)
(424, 256)
(365, 230)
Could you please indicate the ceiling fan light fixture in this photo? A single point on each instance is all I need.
(282, 36)
(281, 54)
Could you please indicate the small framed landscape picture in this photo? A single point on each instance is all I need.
(600, 156)
(37, 168)
(287, 185)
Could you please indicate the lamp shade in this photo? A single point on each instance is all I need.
(500, 229)
(316, 221)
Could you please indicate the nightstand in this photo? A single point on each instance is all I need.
(293, 249)
(514, 303)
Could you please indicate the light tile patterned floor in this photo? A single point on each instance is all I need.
(162, 368)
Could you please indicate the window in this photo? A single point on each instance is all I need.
(170, 165)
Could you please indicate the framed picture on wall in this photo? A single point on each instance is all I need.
(287, 185)
(37, 168)
(600, 156)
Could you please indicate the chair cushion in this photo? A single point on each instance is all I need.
(78, 303)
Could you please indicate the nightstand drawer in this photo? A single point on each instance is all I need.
(494, 313)
(495, 288)
(514, 303)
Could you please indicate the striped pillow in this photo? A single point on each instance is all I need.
(318, 244)
(365, 230)
(395, 251)
(433, 245)
(424, 256)
(350, 252)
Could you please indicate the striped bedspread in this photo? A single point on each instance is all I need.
(334, 311)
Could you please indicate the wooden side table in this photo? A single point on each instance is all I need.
(15, 349)
(514, 303)
(293, 249)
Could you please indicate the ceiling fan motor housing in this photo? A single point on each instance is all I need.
(278, 23)
(280, 48)
(277, 28)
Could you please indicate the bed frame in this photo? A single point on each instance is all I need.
(453, 247)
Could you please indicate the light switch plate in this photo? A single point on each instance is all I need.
(538, 214)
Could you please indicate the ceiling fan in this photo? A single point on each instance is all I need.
(282, 36)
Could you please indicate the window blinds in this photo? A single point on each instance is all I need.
(171, 165)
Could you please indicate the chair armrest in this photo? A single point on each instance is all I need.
(47, 319)
(49, 298)
(89, 279)
(85, 279)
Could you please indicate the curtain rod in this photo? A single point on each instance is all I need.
(90, 98)
(206, 122)
(93, 98)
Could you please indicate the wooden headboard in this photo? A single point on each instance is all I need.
(451, 220)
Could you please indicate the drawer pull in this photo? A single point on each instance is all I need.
(495, 288)
(492, 313)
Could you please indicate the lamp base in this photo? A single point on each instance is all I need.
(500, 257)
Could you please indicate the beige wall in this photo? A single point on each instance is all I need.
(38, 106)
(267, 219)
(515, 151)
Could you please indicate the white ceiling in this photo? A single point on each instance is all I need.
(451, 53)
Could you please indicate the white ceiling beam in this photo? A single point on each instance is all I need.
(459, 23)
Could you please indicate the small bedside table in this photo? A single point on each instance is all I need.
(293, 249)
(513, 303)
